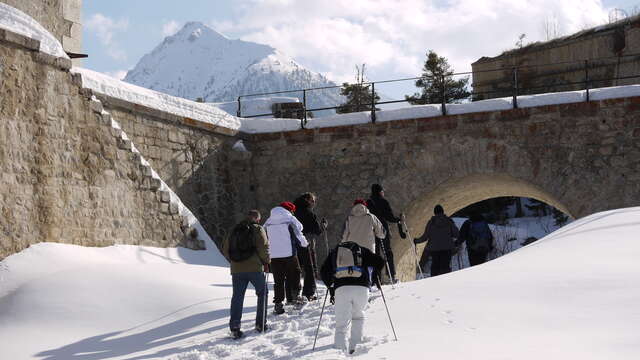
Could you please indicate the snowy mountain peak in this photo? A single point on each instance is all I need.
(199, 62)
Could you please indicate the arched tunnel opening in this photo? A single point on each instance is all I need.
(511, 221)
(479, 193)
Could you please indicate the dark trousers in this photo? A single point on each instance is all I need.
(440, 262)
(477, 257)
(286, 278)
(307, 259)
(240, 282)
(388, 253)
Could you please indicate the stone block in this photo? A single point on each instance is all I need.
(96, 106)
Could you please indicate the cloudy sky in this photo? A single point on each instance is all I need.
(331, 36)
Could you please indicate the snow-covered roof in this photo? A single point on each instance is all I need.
(16, 21)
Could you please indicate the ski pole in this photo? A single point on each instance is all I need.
(321, 312)
(386, 307)
(386, 262)
(415, 248)
(264, 308)
(325, 224)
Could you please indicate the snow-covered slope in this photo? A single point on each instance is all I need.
(199, 62)
(572, 295)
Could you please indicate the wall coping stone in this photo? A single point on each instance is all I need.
(33, 45)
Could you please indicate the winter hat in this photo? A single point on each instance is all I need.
(359, 201)
(376, 189)
(288, 205)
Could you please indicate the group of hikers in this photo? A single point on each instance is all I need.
(285, 247)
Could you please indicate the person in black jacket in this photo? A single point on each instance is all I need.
(311, 229)
(379, 206)
(350, 294)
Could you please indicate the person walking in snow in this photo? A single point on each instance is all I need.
(362, 227)
(439, 233)
(285, 235)
(247, 250)
(311, 229)
(477, 234)
(379, 206)
(349, 288)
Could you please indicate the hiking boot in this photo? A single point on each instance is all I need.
(278, 309)
(260, 329)
(236, 334)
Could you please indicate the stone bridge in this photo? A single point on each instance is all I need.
(581, 158)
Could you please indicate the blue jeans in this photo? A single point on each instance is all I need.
(240, 282)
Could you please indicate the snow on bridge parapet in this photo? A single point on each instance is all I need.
(212, 118)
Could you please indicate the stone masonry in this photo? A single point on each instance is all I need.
(581, 158)
(65, 176)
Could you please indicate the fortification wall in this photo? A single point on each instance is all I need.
(66, 175)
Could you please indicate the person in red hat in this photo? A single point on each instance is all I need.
(285, 235)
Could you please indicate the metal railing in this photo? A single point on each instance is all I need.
(514, 85)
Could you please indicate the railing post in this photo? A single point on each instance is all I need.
(444, 94)
(586, 78)
(304, 104)
(373, 102)
(515, 87)
(239, 112)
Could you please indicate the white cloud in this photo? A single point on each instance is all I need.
(170, 28)
(392, 37)
(105, 29)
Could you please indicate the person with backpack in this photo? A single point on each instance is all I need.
(479, 238)
(440, 233)
(362, 227)
(311, 229)
(247, 250)
(379, 206)
(345, 273)
(285, 235)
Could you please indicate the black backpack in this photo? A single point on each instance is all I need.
(241, 243)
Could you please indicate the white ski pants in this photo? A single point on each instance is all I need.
(351, 300)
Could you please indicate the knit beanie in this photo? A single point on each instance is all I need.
(288, 205)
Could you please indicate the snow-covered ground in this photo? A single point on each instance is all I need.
(571, 295)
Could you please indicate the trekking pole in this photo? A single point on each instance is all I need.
(386, 262)
(266, 297)
(386, 307)
(321, 312)
(325, 224)
(415, 248)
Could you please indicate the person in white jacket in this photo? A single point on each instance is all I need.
(285, 232)
(362, 227)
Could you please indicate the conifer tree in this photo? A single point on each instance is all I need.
(359, 96)
(437, 73)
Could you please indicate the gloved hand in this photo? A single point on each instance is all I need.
(325, 223)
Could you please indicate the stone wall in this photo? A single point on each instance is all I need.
(62, 18)
(617, 47)
(581, 158)
(64, 177)
(193, 158)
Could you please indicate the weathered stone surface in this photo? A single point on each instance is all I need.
(64, 179)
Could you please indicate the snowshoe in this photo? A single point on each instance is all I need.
(236, 334)
(278, 309)
(260, 328)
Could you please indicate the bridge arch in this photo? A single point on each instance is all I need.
(457, 193)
